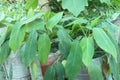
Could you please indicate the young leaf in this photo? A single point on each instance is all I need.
(74, 6)
(43, 48)
(64, 42)
(34, 71)
(17, 36)
(60, 73)
(105, 42)
(54, 20)
(29, 50)
(4, 51)
(50, 73)
(95, 21)
(87, 46)
(95, 72)
(74, 61)
(31, 4)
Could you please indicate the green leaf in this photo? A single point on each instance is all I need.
(74, 6)
(36, 16)
(6, 34)
(95, 71)
(34, 71)
(2, 35)
(105, 1)
(105, 42)
(87, 46)
(54, 20)
(4, 52)
(114, 68)
(43, 48)
(35, 25)
(60, 73)
(78, 21)
(95, 21)
(50, 73)
(74, 61)
(18, 32)
(2, 25)
(30, 13)
(31, 4)
(17, 36)
(64, 42)
(29, 50)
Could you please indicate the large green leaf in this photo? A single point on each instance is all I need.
(74, 61)
(54, 20)
(50, 73)
(94, 71)
(60, 73)
(4, 51)
(87, 46)
(31, 4)
(105, 42)
(17, 36)
(74, 6)
(18, 32)
(64, 42)
(43, 48)
(29, 50)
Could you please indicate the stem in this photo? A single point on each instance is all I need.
(4, 67)
(99, 52)
(44, 5)
(83, 31)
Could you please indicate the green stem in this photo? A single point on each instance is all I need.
(83, 31)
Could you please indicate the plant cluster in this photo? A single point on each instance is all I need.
(81, 30)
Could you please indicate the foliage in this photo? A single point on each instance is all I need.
(82, 30)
